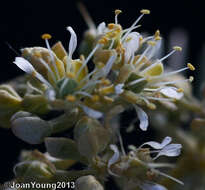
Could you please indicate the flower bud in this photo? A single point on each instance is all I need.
(33, 170)
(36, 55)
(35, 104)
(30, 129)
(91, 137)
(88, 182)
(10, 102)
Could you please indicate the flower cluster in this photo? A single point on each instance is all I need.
(125, 72)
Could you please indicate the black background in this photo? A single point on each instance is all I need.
(23, 22)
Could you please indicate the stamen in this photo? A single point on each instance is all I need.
(144, 11)
(160, 99)
(190, 79)
(46, 37)
(87, 59)
(117, 12)
(107, 90)
(71, 98)
(70, 75)
(125, 30)
(175, 48)
(83, 93)
(151, 43)
(48, 68)
(88, 76)
(189, 66)
(95, 98)
(180, 90)
(135, 81)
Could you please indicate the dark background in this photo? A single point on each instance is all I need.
(23, 22)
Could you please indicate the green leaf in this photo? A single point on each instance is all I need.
(91, 137)
(63, 148)
(30, 129)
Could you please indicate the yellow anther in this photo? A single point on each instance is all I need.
(158, 38)
(103, 41)
(107, 90)
(105, 82)
(128, 39)
(70, 75)
(112, 34)
(177, 48)
(117, 12)
(37, 54)
(191, 78)
(180, 90)
(46, 36)
(95, 98)
(157, 33)
(151, 106)
(71, 98)
(191, 67)
(145, 11)
(151, 43)
(111, 26)
(108, 99)
(82, 57)
(140, 39)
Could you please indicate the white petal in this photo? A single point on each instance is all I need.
(101, 28)
(171, 150)
(152, 186)
(114, 158)
(28, 68)
(143, 118)
(132, 45)
(24, 65)
(157, 145)
(73, 41)
(91, 112)
(166, 141)
(171, 92)
(119, 89)
(109, 64)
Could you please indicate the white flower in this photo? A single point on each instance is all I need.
(165, 148)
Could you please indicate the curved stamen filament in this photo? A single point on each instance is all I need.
(190, 79)
(48, 68)
(52, 59)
